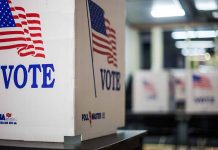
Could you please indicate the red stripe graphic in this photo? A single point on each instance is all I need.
(99, 38)
(12, 39)
(34, 22)
(11, 32)
(12, 46)
(102, 46)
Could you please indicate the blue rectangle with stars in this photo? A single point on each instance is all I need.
(6, 17)
(97, 18)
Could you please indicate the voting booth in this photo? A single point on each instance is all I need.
(151, 92)
(202, 95)
(179, 81)
(61, 69)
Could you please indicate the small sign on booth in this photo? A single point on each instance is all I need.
(61, 69)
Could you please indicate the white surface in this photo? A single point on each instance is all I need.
(108, 101)
(43, 114)
(144, 99)
(180, 78)
(199, 99)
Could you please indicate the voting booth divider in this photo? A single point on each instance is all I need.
(202, 92)
(61, 69)
(179, 83)
(151, 92)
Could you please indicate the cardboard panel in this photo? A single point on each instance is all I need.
(151, 92)
(202, 92)
(180, 77)
(37, 71)
(99, 75)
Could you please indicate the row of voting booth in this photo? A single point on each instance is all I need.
(158, 92)
(61, 69)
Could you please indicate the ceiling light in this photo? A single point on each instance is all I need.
(194, 34)
(206, 34)
(207, 56)
(215, 14)
(206, 5)
(193, 52)
(184, 35)
(203, 57)
(194, 44)
(167, 9)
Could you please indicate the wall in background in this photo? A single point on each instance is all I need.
(132, 48)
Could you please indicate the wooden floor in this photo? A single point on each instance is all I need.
(172, 147)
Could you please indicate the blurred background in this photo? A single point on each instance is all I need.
(172, 72)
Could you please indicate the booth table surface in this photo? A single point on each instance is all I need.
(122, 140)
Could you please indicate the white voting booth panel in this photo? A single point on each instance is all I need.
(202, 95)
(61, 69)
(179, 80)
(151, 92)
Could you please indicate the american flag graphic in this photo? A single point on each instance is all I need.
(179, 82)
(20, 30)
(149, 88)
(103, 35)
(200, 81)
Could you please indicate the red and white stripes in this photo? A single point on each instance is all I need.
(106, 45)
(26, 36)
